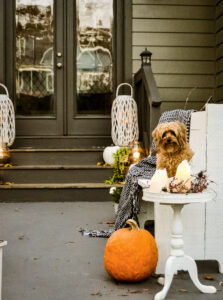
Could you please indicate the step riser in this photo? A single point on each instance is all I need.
(56, 158)
(62, 143)
(55, 195)
(56, 176)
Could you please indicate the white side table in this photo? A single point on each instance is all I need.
(2, 244)
(178, 260)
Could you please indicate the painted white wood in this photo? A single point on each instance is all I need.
(193, 217)
(214, 211)
(1, 273)
(146, 208)
(203, 223)
(198, 133)
(195, 230)
(2, 244)
(193, 220)
(178, 260)
(146, 213)
(177, 198)
(163, 216)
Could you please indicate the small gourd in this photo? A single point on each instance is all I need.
(131, 254)
(108, 154)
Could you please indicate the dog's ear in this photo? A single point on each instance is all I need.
(156, 136)
(182, 134)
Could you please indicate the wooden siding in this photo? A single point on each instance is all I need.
(219, 51)
(181, 36)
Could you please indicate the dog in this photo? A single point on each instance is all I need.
(171, 146)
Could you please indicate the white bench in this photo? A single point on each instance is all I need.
(203, 223)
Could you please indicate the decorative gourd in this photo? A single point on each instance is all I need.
(131, 254)
(108, 154)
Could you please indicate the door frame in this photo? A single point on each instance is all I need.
(65, 122)
(99, 125)
(2, 39)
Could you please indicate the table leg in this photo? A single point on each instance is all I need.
(177, 243)
(178, 260)
(170, 269)
(192, 269)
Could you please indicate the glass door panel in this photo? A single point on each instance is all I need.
(36, 76)
(90, 68)
(94, 56)
(34, 57)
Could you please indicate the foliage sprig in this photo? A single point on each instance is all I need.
(119, 166)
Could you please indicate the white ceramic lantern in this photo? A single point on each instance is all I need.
(7, 119)
(124, 116)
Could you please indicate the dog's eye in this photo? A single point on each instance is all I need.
(164, 134)
(173, 133)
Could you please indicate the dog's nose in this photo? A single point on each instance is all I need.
(168, 140)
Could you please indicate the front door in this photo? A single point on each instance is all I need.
(62, 64)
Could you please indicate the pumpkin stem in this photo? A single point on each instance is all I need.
(133, 225)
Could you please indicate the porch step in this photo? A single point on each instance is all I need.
(68, 192)
(28, 156)
(62, 142)
(56, 174)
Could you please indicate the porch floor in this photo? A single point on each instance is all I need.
(48, 259)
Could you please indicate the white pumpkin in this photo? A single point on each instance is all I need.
(108, 154)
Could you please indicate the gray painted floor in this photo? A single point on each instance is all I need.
(48, 259)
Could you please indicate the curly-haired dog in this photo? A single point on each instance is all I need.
(171, 146)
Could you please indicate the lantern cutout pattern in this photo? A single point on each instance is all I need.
(7, 119)
(124, 119)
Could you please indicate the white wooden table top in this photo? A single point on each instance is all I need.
(175, 198)
(3, 243)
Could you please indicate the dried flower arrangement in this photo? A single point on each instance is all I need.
(199, 182)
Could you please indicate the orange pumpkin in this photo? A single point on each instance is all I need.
(131, 254)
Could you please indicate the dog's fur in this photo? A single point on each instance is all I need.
(171, 146)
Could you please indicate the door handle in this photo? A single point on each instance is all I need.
(59, 65)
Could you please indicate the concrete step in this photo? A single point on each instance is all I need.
(65, 142)
(55, 174)
(69, 192)
(29, 156)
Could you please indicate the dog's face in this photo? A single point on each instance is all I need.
(170, 137)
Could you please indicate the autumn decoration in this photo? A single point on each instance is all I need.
(120, 166)
(199, 182)
(131, 254)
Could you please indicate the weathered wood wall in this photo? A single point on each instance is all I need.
(219, 51)
(181, 36)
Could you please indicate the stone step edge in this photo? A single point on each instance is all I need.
(55, 167)
(59, 186)
(62, 136)
(21, 150)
